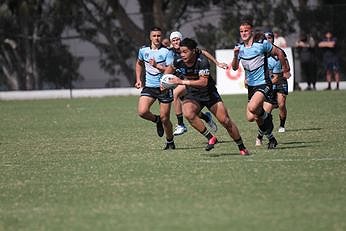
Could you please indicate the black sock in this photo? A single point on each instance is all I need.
(207, 134)
(180, 119)
(240, 143)
(270, 136)
(260, 134)
(282, 122)
(204, 117)
(262, 115)
(157, 119)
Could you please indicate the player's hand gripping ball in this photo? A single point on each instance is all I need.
(166, 81)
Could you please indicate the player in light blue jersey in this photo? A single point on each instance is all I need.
(280, 89)
(253, 56)
(280, 84)
(153, 60)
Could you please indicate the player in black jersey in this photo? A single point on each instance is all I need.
(201, 92)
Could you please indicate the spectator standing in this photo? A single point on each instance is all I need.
(305, 47)
(279, 40)
(330, 59)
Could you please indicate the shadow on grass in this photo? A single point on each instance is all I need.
(221, 154)
(199, 147)
(281, 145)
(300, 142)
(303, 129)
(297, 144)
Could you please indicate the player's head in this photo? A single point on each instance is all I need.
(188, 49)
(269, 36)
(176, 34)
(328, 35)
(246, 22)
(176, 38)
(166, 42)
(155, 36)
(246, 30)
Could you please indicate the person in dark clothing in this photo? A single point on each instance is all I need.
(305, 47)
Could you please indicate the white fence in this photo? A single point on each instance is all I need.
(61, 94)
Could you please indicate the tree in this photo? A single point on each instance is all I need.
(30, 28)
(112, 30)
(263, 14)
(108, 26)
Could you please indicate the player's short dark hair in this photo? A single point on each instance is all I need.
(270, 34)
(155, 28)
(246, 21)
(189, 43)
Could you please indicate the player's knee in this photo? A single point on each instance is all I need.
(252, 109)
(251, 117)
(164, 119)
(226, 121)
(142, 113)
(190, 116)
(282, 106)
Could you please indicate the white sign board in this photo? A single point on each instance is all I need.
(232, 82)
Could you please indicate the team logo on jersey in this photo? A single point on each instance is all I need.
(204, 72)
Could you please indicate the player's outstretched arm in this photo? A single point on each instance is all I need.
(212, 58)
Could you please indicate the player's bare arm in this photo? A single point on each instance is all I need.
(160, 67)
(212, 58)
(139, 72)
(284, 63)
(235, 61)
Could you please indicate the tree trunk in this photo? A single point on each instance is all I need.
(11, 79)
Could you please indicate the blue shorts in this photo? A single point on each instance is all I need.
(331, 63)
(165, 96)
(332, 66)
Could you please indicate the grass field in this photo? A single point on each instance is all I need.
(93, 164)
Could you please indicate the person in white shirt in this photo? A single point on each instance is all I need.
(279, 40)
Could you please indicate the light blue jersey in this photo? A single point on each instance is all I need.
(162, 56)
(254, 61)
(274, 65)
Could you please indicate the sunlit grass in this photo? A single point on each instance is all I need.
(93, 164)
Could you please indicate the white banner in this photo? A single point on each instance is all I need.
(232, 82)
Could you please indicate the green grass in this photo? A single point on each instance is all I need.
(93, 164)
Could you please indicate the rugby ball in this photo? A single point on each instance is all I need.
(166, 81)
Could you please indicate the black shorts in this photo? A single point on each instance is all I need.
(212, 98)
(266, 90)
(165, 96)
(281, 88)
